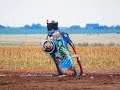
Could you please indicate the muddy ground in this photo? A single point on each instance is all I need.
(88, 81)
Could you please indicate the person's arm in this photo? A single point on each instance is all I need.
(73, 46)
(68, 41)
(71, 43)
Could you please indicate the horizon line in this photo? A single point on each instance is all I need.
(61, 25)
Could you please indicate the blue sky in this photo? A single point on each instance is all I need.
(66, 12)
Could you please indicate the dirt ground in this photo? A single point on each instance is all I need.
(88, 81)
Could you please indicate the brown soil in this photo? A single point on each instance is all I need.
(88, 81)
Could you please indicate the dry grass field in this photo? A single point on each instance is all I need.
(19, 57)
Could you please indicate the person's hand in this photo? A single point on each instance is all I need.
(75, 50)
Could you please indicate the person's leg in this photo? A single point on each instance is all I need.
(58, 66)
(57, 63)
(74, 72)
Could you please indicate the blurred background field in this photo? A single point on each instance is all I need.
(78, 39)
(24, 52)
(31, 57)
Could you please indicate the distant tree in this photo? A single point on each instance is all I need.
(33, 26)
(117, 27)
(75, 27)
(27, 27)
(36, 26)
(103, 27)
(2, 27)
(112, 27)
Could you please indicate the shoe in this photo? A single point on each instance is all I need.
(62, 75)
(76, 74)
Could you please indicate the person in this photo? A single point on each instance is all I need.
(52, 27)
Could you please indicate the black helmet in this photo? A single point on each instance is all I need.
(52, 25)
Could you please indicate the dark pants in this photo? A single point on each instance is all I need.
(57, 64)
